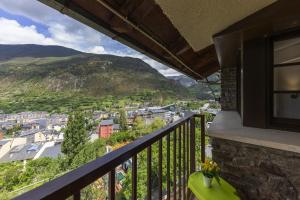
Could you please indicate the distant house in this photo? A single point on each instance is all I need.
(116, 128)
(31, 126)
(99, 115)
(33, 135)
(107, 127)
(39, 137)
(22, 152)
(7, 125)
(32, 151)
(157, 113)
(50, 149)
(56, 126)
(5, 146)
(43, 122)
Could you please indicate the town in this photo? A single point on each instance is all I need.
(32, 135)
(29, 136)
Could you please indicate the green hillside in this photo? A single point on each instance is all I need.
(54, 83)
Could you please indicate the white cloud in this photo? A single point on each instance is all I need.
(163, 69)
(11, 32)
(169, 72)
(97, 50)
(32, 9)
(63, 31)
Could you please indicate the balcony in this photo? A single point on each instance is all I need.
(177, 139)
(256, 142)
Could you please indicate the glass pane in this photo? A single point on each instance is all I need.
(287, 105)
(287, 51)
(287, 78)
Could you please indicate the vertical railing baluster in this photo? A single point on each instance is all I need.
(184, 161)
(149, 169)
(174, 164)
(202, 138)
(179, 160)
(192, 146)
(160, 169)
(188, 148)
(111, 184)
(188, 155)
(134, 178)
(168, 167)
(76, 196)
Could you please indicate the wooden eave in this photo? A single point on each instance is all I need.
(145, 18)
(277, 18)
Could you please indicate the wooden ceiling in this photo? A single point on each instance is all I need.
(142, 25)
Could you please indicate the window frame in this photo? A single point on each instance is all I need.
(278, 122)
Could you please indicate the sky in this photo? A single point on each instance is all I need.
(31, 22)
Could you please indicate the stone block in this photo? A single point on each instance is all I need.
(258, 172)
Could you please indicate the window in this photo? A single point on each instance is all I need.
(286, 81)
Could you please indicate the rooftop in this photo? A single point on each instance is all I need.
(3, 142)
(52, 152)
(106, 122)
(21, 152)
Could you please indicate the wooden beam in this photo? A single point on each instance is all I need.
(274, 15)
(183, 50)
(209, 69)
(145, 8)
(164, 44)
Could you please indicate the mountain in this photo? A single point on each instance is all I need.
(183, 80)
(34, 77)
(35, 51)
(201, 89)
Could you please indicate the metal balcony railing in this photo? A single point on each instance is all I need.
(180, 134)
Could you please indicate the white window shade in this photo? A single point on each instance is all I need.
(287, 106)
(287, 51)
(287, 78)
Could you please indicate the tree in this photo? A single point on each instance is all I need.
(139, 126)
(157, 124)
(90, 124)
(89, 152)
(123, 120)
(75, 136)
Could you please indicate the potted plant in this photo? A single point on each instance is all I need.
(210, 170)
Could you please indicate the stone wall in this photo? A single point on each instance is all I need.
(228, 88)
(258, 173)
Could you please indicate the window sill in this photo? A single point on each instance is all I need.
(228, 125)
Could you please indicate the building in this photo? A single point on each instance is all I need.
(116, 128)
(50, 149)
(255, 43)
(57, 127)
(31, 151)
(32, 135)
(22, 152)
(31, 126)
(7, 125)
(5, 146)
(100, 115)
(106, 128)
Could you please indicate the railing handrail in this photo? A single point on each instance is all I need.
(68, 184)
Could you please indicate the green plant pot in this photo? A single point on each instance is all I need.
(207, 181)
